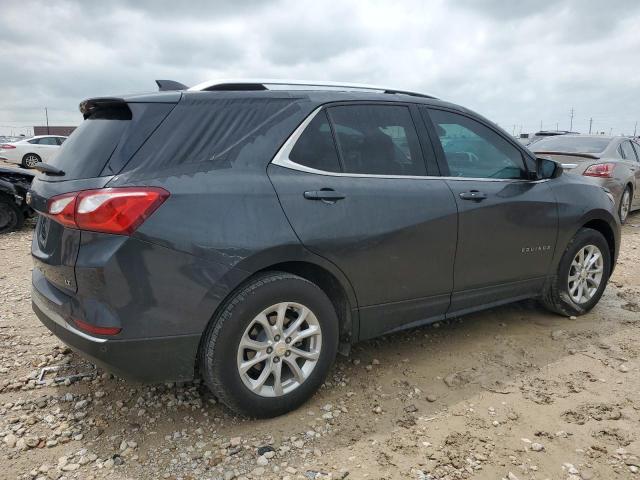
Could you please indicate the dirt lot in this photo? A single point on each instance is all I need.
(513, 393)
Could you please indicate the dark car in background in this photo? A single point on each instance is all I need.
(613, 161)
(247, 231)
(14, 186)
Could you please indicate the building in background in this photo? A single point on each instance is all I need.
(53, 130)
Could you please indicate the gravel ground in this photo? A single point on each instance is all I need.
(513, 393)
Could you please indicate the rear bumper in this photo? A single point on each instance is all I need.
(148, 360)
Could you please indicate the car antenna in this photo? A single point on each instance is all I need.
(170, 85)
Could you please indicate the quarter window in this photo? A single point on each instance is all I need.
(315, 147)
(377, 140)
(473, 150)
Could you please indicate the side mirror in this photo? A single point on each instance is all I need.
(547, 168)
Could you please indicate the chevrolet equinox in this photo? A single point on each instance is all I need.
(246, 231)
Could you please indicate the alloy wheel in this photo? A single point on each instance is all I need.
(625, 205)
(279, 349)
(31, 160)
(585, 274)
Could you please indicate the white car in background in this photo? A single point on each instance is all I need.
(31, 150)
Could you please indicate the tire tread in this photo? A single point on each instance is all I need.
(554, 298)
(209, 368)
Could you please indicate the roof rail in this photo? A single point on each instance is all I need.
(273, 84)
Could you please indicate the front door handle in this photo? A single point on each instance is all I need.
(473, 195)
(327, 195)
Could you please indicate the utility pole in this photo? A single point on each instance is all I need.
(514, 131)
(46, 113)
(635, 128)
(590, 124)
(540, 124)
(557, 128)
(571, 116)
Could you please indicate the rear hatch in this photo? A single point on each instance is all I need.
(113, 130)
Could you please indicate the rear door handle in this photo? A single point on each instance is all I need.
(473, 195)
(328, 195)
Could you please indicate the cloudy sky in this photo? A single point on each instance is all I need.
(519, 63)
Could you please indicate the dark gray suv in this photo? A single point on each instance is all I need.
(245, 232)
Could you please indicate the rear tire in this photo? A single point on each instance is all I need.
(30, 160)
(11, 217)
(625, 204)
(243, 331)
(565, 295)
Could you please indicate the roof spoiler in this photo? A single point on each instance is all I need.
(169, 85)
(87, 107)
(570, 154)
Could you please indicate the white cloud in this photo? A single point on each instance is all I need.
(518, 63)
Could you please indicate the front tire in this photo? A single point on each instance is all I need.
(30, 160)
(271, 345)
(625, 205)
(582, 275)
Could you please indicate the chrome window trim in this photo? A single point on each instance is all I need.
(282, 160)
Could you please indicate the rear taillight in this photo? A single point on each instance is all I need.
(602, 170)
(7, 147)
(63, 209)
(87, 327)
(109, 210)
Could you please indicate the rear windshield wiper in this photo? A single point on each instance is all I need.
(48, 169)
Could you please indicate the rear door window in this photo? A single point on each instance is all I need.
(315, 147)
(377, 140)
(47, 141)
(627, 151)
(636, 147)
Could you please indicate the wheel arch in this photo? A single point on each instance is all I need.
(306, 265)
(607, 232)
(329, 284)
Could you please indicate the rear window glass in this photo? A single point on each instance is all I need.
(110, 135)
(565, 144)
(315, 147)
(378, 140)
